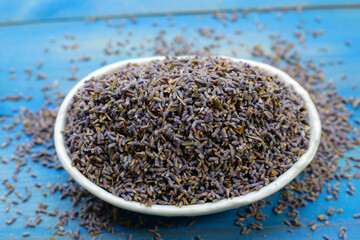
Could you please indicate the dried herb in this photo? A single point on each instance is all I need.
(205, 130)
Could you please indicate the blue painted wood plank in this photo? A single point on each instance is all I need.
(93, 38)
(24, 10)
(23, 46)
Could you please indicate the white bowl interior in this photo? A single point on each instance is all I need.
(196, 209)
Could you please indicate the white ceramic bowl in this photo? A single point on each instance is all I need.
(196, 209)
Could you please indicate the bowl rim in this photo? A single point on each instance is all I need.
(195, 209)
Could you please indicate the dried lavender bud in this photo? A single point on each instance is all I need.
(326, 237)
(322, 217)
(330, 211)
(185, 131)
(13, 219)
(311, 223)
(40, 76)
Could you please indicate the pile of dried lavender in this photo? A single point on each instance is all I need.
(185, 131)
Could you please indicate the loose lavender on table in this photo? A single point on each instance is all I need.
(185, 131)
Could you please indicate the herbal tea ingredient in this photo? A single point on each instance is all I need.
(185, 131)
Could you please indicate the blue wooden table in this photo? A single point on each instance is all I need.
(39, 31)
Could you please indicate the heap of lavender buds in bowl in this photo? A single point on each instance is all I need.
(185, 131)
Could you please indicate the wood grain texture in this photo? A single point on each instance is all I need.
(22, 46)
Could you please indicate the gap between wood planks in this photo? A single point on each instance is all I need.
(199, 11)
